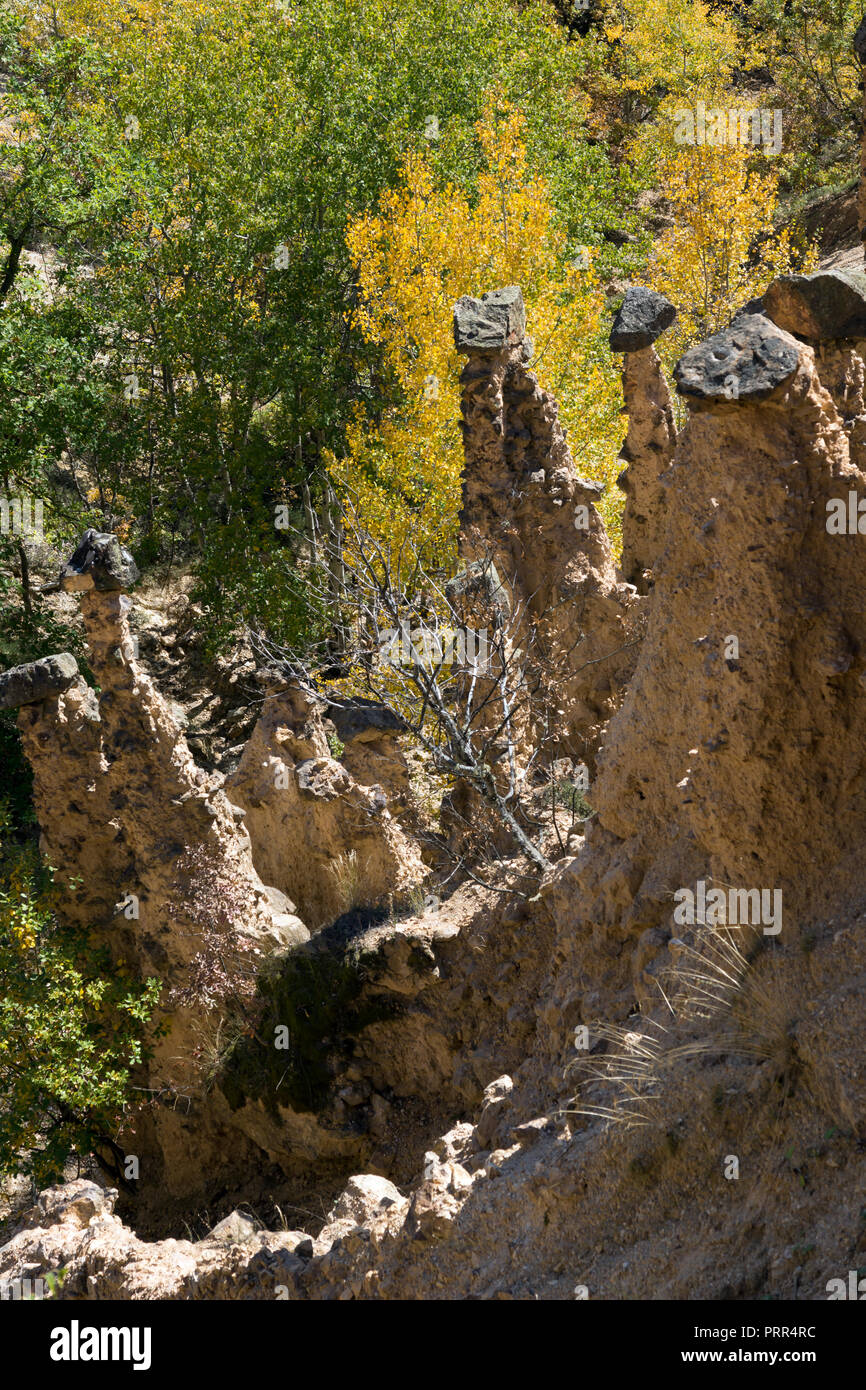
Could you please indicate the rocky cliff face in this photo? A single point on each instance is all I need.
(731, 778)
(162, 863)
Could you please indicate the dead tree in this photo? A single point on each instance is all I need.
(448, 655)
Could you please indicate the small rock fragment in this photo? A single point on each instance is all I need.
(76, 1202)
(234, 1229)
(365, 1194)
(752, 306)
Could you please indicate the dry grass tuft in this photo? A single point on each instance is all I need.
(716, 984)
(345, 874)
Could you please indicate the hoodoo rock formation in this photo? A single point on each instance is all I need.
(369, 735)
(126, 816)
(651, 439)
(160, 858)
(735, 759)
(755, 611)
(326, 839)
(734, 764)
(526, 510)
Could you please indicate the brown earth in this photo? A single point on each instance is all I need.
(709, 1142)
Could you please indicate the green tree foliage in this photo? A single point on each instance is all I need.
(190, 353)
(52, 161)
(808, 49)
(206, 258)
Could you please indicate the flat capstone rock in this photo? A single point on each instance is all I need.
(99, 562)
(829, 304)
(492, 323)
(746, 361)
(359, 716)
(37, 680)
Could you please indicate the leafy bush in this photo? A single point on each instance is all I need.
(566, 792)
(72, 1028)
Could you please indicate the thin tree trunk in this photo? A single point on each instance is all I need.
(336, 563)
(13, 261)
(862, 197)
(310, 517)
(25, 582)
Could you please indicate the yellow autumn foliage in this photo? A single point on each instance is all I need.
(674, 45)
(723, 247)
(120, 24)
(20, 918)
(424, 248)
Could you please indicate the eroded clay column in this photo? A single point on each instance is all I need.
(162, 854)
(61, 735)
(490, 332)
(754, 652)
(652, 438)
(526, 510)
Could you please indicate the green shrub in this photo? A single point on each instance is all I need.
(72, 1027)
(567, 793)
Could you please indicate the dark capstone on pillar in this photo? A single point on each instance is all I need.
(745, 362)
(821, 307)
(651, 440)
(642, 317)
(99, 562)
(37, 680)
(493, 323)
